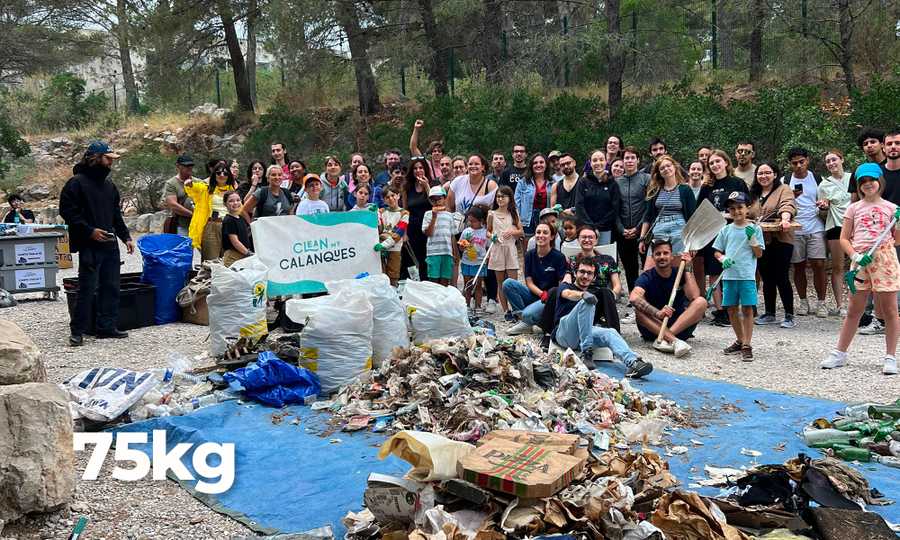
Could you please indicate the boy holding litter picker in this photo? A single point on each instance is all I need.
(868, 236)
(737, 247)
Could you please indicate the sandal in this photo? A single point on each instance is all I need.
(747, 353)
(734, 348)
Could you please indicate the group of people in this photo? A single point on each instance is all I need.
(443, 217)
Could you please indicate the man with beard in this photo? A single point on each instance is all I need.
(563, 193)
(89, 202)
(743, 155)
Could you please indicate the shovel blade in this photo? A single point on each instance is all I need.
(702, 228)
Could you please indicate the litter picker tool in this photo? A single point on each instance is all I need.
(850, 276)
(701, 229)
(709, 291)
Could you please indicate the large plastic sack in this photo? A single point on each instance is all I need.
(336, 341)
(435, 311)
(274, 382)
(389, 328)
(167, 262)
(237, 303)
(433, 456)
(103, 394)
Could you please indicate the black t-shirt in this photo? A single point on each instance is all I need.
(606, 267)
(546, 272)
(11, 216)
(563, 306)
(891, 184)
(657, 290)
(511, 177)
(238, 227)
(721, 189)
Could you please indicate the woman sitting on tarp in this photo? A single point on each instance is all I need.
(209, 208)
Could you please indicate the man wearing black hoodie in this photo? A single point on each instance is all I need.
(89, 202)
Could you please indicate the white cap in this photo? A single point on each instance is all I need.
(436, 191)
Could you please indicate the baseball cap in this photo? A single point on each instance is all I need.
(872, 170)
(737, 197)
(313, 177)
(553, 154)
(185, 160)
(100, 147)
(548, 211)
(436, 191)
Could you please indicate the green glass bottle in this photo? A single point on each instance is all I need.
(850, 453)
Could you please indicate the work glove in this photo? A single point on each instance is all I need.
(727, 262)
(558, 208)
(750, 231)
(544, 296)
(495, 238)
(862, 259)
(379, 247)
(372, 207)
(589, 298)
(897, 214)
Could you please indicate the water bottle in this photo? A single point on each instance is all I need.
(859, 412)
(887, 461)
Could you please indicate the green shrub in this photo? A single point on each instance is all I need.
(64, 104)
(141, 174)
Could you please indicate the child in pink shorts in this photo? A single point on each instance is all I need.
(879, 273)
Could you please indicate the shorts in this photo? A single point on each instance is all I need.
(439, 266)
(808, 246)
(503, 257)
(882, 274)
(670, 227)
(833, 233)
(471, 270)
(738, 292)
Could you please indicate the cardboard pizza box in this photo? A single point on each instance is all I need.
(563, 443)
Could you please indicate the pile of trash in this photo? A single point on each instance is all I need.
(465, 387)
(864, 432)
(520, 484)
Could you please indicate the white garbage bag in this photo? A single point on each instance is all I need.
(104, 393)
(237, 303)
(389, 327)
(336, 340)
(435, 311)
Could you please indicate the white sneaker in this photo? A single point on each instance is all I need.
(603, 354)
(890, 366)
(664, 346)
(821, 310)
(519, 328)
(802, 307)
(490, 307)
(875, 328)
(835, 359)
(681, 348)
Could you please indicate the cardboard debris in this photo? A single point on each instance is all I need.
(523, 470)
(394, 500)
(563, 443)
(686, 516)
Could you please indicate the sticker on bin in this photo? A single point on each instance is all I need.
(29, 254)
(30, 279)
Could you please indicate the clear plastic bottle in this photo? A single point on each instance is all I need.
(887, 461)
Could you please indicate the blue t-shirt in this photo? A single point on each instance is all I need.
(657, 290)
(546, 272)
(732, 241)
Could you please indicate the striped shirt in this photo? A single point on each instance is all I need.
(441, 240)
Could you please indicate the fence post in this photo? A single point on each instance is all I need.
(218, 89)
(715, 36)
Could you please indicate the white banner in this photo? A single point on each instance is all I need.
(303, 252)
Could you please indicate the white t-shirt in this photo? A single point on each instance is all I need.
(308, 207)
(807, 212)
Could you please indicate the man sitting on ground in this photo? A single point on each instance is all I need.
(650, 299)
(574, 323)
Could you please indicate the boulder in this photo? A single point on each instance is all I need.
(143, 223)
(36, 192)
(131, 222)
(36, 453)
(157, 219)
(208, 109)
(20, 359)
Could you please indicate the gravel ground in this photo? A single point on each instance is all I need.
(785, 361)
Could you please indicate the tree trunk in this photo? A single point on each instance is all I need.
(845, 25)
(438, 67)
(490, 46)
(615, 58)
(726, 18)
(122, 31)
(758, 13)
(366, 89)
(238, 67)
(252, 17)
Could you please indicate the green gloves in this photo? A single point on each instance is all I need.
(558, 208)
(372, 207)
(897, 213)
(495, 238)
(862, 259)
(379, 247)
(727, 263)
(750, 231)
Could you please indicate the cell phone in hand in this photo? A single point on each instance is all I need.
(110, 236)
(798, 188)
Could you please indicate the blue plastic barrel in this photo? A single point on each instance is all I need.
(167, 262)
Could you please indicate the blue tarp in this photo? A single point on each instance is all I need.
(290, 479)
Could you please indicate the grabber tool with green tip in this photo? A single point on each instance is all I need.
(79, 528)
